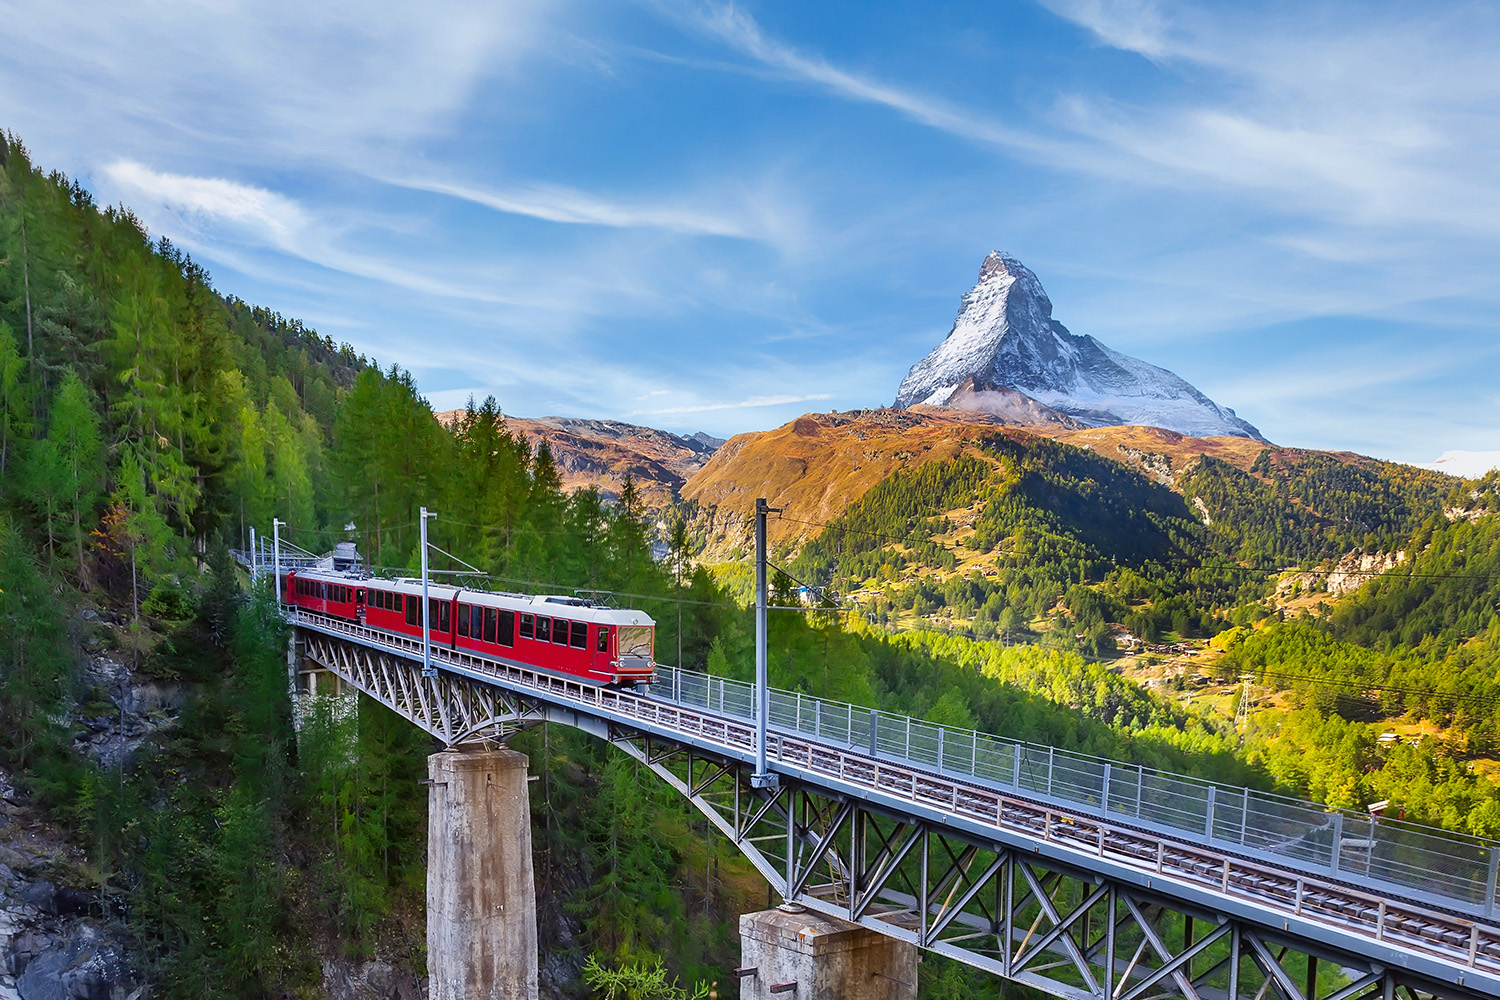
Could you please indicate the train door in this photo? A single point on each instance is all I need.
(601, 654)
(359, 605)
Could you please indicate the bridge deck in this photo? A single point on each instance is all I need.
(1327, 903)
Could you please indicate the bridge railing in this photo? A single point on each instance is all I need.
(1439, 867)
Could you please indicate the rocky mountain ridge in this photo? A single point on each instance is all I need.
(1005, 337)
(601, 453)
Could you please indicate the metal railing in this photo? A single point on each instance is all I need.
(1380, 919)
(1439, 867)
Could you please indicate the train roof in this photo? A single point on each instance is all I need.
(556, 605)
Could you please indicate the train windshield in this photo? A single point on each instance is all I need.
(635, 640)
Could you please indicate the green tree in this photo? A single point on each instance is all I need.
(13, 407)
(67, 475)
(637, 981)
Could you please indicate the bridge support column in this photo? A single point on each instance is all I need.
(800, 955)
(481, 900)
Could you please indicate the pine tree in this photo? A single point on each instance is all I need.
(76, 445)
(13, 406)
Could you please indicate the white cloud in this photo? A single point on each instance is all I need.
(1465, 464)
(278, 80)
(752, 402)
(208, 216)
(742, 32)
(275, 219)
(555, 203)
(1375, 115)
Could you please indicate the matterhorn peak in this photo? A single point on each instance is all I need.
(1005, 337)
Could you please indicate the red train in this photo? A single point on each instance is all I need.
(561, 635)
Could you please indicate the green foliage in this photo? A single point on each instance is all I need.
(636, 981)
(1299, 507)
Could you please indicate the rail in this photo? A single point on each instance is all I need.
(913, 764)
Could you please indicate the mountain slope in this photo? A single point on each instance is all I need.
(1005, 336)
(820, 463)
(601, 453)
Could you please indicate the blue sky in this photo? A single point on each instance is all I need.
(713, 216)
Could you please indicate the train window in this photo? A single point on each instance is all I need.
(560, 632)
(543, 629)
(359, 596)
(413, 612)
(603, 639)
(489, 624)
(400, 602)
(507, 635)
(444, 615)
(580, 635)
(528, 625)
(463, 619)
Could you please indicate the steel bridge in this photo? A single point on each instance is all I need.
(1079, 877)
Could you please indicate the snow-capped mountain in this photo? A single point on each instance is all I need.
(1005, 336)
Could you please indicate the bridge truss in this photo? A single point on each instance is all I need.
(1071, 905)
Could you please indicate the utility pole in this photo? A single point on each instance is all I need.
(276, 524)
(254, 562)
(1242, 710)
(427, 670)
(762, 778)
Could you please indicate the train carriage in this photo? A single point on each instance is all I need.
(562, 635)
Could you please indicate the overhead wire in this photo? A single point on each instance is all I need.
(1228, 566)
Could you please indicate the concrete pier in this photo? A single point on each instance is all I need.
(481, 899)
(801, 955)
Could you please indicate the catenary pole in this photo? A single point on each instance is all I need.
(427, 670)
(254, 562)
(762, 778)
(276, 524)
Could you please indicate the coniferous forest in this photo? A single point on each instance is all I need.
(148, 421)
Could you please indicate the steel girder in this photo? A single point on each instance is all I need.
(1012, 911)
(1063, 930)
(451, 708)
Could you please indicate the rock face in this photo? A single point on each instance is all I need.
(53, 946)
(1005, 338)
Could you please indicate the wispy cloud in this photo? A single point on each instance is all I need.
(742, 32)
(555, 203)
(1376, 115)
(276, 80)
(1467, 464)
(752, 402)
(208, 212)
